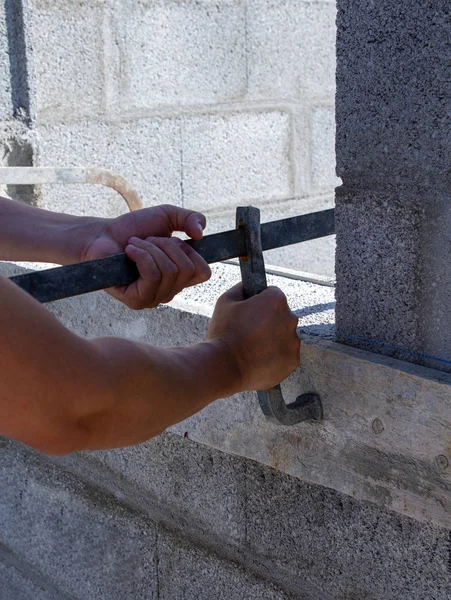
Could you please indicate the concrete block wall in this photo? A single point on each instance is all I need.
(199, 104)
(393, 148)
(172, 519)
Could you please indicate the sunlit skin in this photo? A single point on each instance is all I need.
(60, 393)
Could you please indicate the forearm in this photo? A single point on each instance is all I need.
(62, 393)
(32, 234)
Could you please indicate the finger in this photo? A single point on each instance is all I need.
(142, 293)
(186, 274)
(234, 294)
(181, 219)
(167, 287)
(202, 269)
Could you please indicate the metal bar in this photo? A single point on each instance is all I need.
(253, 274)
(93, 275)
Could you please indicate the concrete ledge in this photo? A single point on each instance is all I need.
(386, 435)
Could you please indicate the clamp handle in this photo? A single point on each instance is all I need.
(306, 406)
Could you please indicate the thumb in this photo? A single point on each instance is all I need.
(235, 294)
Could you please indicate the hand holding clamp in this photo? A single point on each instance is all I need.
(306, 406)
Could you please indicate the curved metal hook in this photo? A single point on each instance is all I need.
(306, 406)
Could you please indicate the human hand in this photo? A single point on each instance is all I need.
(260, 334)
(166, 264)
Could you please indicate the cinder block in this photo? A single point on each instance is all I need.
(144, 151)
(5, 75)
(342, 547)
(291, 49)
(68, 58)
(393, 90)
(322, 142)
(16, 585)
(186, 573)
(180, 52)
(202, 484)
(235, 158)
(85, 543)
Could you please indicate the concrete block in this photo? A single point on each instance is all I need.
(6, 108)
(186, 573)
(16, 585)
(237, 157)
(176, 474)
(85, 543)
(393, 88)
(393, 279)
(291, 49)
(68, 58)
(144, 151)
(344, 548)
(322, 131)
(180, 52)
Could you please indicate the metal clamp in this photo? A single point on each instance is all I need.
(306, 406)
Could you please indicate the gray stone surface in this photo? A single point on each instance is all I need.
(346, 549)
(393, 143)
(180, 53)
(144, 151)
(187, 573)
(316, 544)
(82, 541)
(291, 49)
(236, 158)
(393, 90)
(323, 148)
(19, 583)
(5, 75)
(68, 58)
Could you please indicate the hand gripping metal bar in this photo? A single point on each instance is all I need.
(306, 406)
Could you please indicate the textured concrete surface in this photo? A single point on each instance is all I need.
(291, 49)
(17, 583)
(312, 542)
(393, 218)
(144, 151)
(323, 148)
(393, 92)
(68, 58)
(174, 53)
(87, 546)
(181, 564)
(5, 75)
(228, 160)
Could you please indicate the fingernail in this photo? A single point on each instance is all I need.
(200, 228)
(130, 247)
(177, 241)
(133, 240)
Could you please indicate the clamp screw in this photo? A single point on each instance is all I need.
(442, 462)
(378, 426)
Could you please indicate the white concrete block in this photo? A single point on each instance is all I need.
(5, 77)
(180, 52)
(322, 144)
(68, 57)
(291, 48)
(146, 152)
(234, 158)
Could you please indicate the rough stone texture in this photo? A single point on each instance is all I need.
(323, 148)
(180, 53)
(5, 75)
(393, 142)
(291, 49)
(68, 57)
(144, 151)
(17, 583)
(89, 546)
(179, 568)
(236, 158)
(317, 544)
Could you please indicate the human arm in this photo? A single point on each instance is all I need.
(60, 393)
(166, 265)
